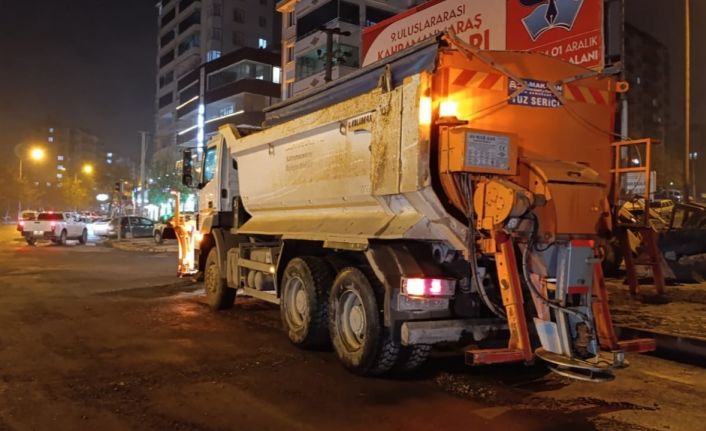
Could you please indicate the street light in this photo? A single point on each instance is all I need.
(87, 168)
(36, 154)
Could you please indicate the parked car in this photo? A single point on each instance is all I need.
(100, 227)
(130, 227)
(56, 227)
(24, 217)
(673, 194)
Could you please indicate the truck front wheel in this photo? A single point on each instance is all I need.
(304, 301)
(218, 295)
(360, 340)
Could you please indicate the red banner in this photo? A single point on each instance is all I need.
(568, 29)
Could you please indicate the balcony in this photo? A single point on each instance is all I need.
(168, 17)
(188, 22)
(166, 38)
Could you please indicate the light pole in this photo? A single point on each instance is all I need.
(329, 49)
(35, 153)
(692, 157)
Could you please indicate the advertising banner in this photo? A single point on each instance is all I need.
(568, 29)
(479, 22)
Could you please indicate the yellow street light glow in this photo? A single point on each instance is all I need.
(37, 153)
(87, 169)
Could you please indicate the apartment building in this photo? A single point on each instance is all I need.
(304, 44)
(194, 32)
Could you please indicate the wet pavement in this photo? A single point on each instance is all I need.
(100, 338)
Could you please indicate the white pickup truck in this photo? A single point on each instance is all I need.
(57, 227)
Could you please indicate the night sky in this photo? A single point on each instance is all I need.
(84, 63)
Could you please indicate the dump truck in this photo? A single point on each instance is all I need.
(443, 196)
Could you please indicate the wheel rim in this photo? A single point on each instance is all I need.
(296, 303)
(351, 320)
(210, 279)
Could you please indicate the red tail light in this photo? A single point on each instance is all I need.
(22, 223)
(428, 287)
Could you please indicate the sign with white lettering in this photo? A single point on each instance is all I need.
(568, 29)
(536, 94)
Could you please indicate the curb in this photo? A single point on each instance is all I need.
(677, 348)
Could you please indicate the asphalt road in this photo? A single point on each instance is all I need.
(97, 338)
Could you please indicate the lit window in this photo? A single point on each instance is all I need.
(109, 154)
(212, 55)
(50, 139)
(110, 162)
(276, 71)
(60, 168)
(59, 176)
(60, 158)
(262, 43)
(51, 130)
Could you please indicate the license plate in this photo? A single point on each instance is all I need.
(38, 232)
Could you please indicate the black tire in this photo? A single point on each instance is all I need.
(30, 240)
(83, 239)
(218, 295)
(359, 338)
(412, 358)
(304, 301)
(62, 238)
(158, 237)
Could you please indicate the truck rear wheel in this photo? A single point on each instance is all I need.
(304, 301)
(412, 357)
(360, 340)
(62, 238)
(218, 295)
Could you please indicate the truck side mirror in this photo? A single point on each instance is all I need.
(187, 168)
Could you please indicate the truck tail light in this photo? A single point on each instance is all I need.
(22, 223)
(428, 287)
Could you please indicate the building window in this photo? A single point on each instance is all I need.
(262, 43)
(263, 21)
(50, 139)
(51, 130)
(216, 33)
(290, 53)
(290, 19)
(226, 111)
(166, 78)
(59, 176)
(237, 38)
(290, 89)
(60, 168)
(213, 54)
(187, 44)
(193, 19)
(60, 158)
(276, 74)
(216, 9)
(374, 15)
(314, 61)
(165, 100)
(238, 15)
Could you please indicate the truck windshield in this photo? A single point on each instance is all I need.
(209, 165)
(50, 216)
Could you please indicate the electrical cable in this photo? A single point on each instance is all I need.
(465, 186)
(528, 280)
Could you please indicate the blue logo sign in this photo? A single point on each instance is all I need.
(550, 14)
